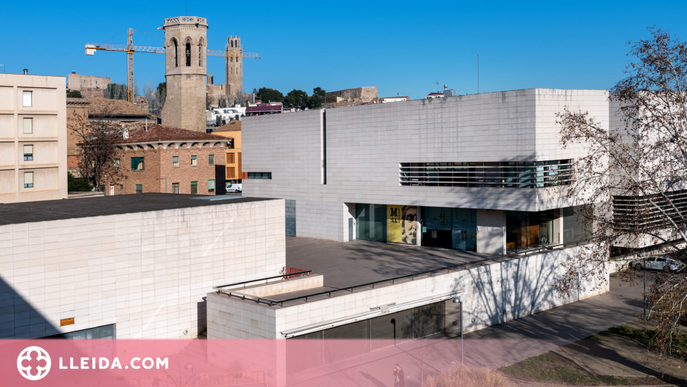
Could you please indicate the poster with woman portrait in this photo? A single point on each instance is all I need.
(402, 224)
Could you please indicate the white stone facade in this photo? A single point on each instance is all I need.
(146, 272)
(327, 160)
(495, 293)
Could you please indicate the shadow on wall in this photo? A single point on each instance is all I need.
(513, 289)
(19, 319)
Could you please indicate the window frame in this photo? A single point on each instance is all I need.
(28, 156)
(30, 175)
(176, 188)
(175, 161)
(211, 185)
(211, 159)
(30, 121)
(194, 160)
(141, 163)
(194, 183)
(24, 95)
(138, 188)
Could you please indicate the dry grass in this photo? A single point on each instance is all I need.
(464, 376)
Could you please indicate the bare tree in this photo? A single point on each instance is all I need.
(149, 94)
(97, 140)
(424, 322)
(633, 181)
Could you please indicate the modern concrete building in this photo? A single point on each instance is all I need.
(129, 266)
(481, 172)
(33, 138)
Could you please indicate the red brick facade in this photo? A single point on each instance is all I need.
(158, 163)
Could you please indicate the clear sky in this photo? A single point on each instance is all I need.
(402, 47)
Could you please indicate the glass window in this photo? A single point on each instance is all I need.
(139, 188)
(137, 164)
(175, 188)
(194, 160)
(259, 175)
(194, 187)
(211, 185)
(28, 125)
(28, 179)
(211, 160)
(28, 152)
(117, 163)
(175, 161)
(530, 229)
(27, 98)
(371, 222)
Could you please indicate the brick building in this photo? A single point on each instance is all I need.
(164, 159)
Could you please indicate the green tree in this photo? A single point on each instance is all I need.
(161, 94)
(269, 95)
(77, 185)
(317, 98)
(74, 94)
(116, 91)
(296, 98)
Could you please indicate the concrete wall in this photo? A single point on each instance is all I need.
(146, 272)
(364, 145)
(48, 118)
(495, 293)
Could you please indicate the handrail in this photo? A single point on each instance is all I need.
(308, 272)
(350, 289)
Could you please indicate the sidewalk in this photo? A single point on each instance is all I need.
(491, 347)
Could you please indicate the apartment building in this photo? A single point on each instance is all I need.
(33, 138)
(234, 172)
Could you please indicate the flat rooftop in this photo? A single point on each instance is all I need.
(41, 211)
(358, 262)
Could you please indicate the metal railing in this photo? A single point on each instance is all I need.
(244, 283)
(392, 281)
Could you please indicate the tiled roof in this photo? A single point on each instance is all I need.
(114, 107)
(167, 133)
(232, 126)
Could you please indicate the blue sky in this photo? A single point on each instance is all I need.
(402, 47)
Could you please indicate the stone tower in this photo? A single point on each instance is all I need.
(186, 72)
(234, 67)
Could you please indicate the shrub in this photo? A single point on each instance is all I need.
(465, 376)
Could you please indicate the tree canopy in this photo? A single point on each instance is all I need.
(269, 95)
(296, 98)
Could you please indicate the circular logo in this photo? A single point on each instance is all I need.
(33, 363)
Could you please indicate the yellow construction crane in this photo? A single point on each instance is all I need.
(129, 48)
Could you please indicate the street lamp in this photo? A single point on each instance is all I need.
(459, 302)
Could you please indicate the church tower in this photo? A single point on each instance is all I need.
(234, 67)
(186, 72)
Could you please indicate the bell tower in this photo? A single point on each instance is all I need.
(186, 72)
(234, 67)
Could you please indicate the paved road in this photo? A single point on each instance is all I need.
(495, 346)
